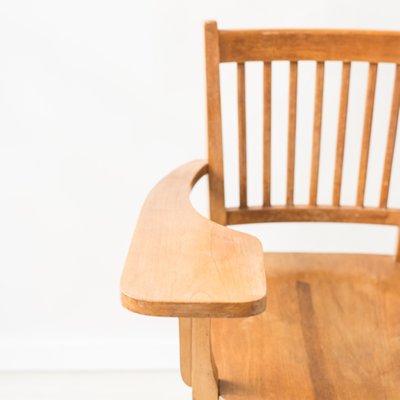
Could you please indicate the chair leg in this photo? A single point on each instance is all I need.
(204, 374)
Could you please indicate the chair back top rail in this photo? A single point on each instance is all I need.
(301, 44)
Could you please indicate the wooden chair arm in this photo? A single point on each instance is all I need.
(181, 264)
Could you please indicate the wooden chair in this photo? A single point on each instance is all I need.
(332, 326)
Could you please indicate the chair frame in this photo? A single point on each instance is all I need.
(183, 265)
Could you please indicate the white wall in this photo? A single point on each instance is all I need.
(98, 100)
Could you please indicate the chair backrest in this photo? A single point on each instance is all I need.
(266, 46)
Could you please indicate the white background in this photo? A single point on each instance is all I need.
(100, 99)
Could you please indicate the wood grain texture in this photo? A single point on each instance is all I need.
(267, 88)
(303, 44)
(185, 349)
(369, 108)
(291, 156)
(184, 265)
(214, 124)
(316, 144)
(331, 331)
(341, 135)
(204, 372)
(241, 84)
(391, 141)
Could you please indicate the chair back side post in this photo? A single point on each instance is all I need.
(214, 125)
(294, 46)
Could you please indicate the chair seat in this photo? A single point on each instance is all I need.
(331, 330)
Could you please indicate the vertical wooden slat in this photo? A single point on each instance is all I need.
(267, 135)
(344, 99)
(316, 146)
(214, 124)
(291, 133)
(391, 141)
(241, 84)
(369, 108)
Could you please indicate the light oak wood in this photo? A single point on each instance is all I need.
(369, 108)
(344, 98)
(331, 331)
(316, 146)
(332, 326)
(242, 134)
(214, 124)
(291, 134)
(267, 46)
(298, 213)
(308, 44)
(397, 254)
(181, 264)
(185, 349)
(394, 115)
(267, 134)
(204, 372)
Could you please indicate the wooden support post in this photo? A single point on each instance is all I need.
(204, 373)
(185, 345)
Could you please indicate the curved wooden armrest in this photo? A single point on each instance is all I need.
(181, 264)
